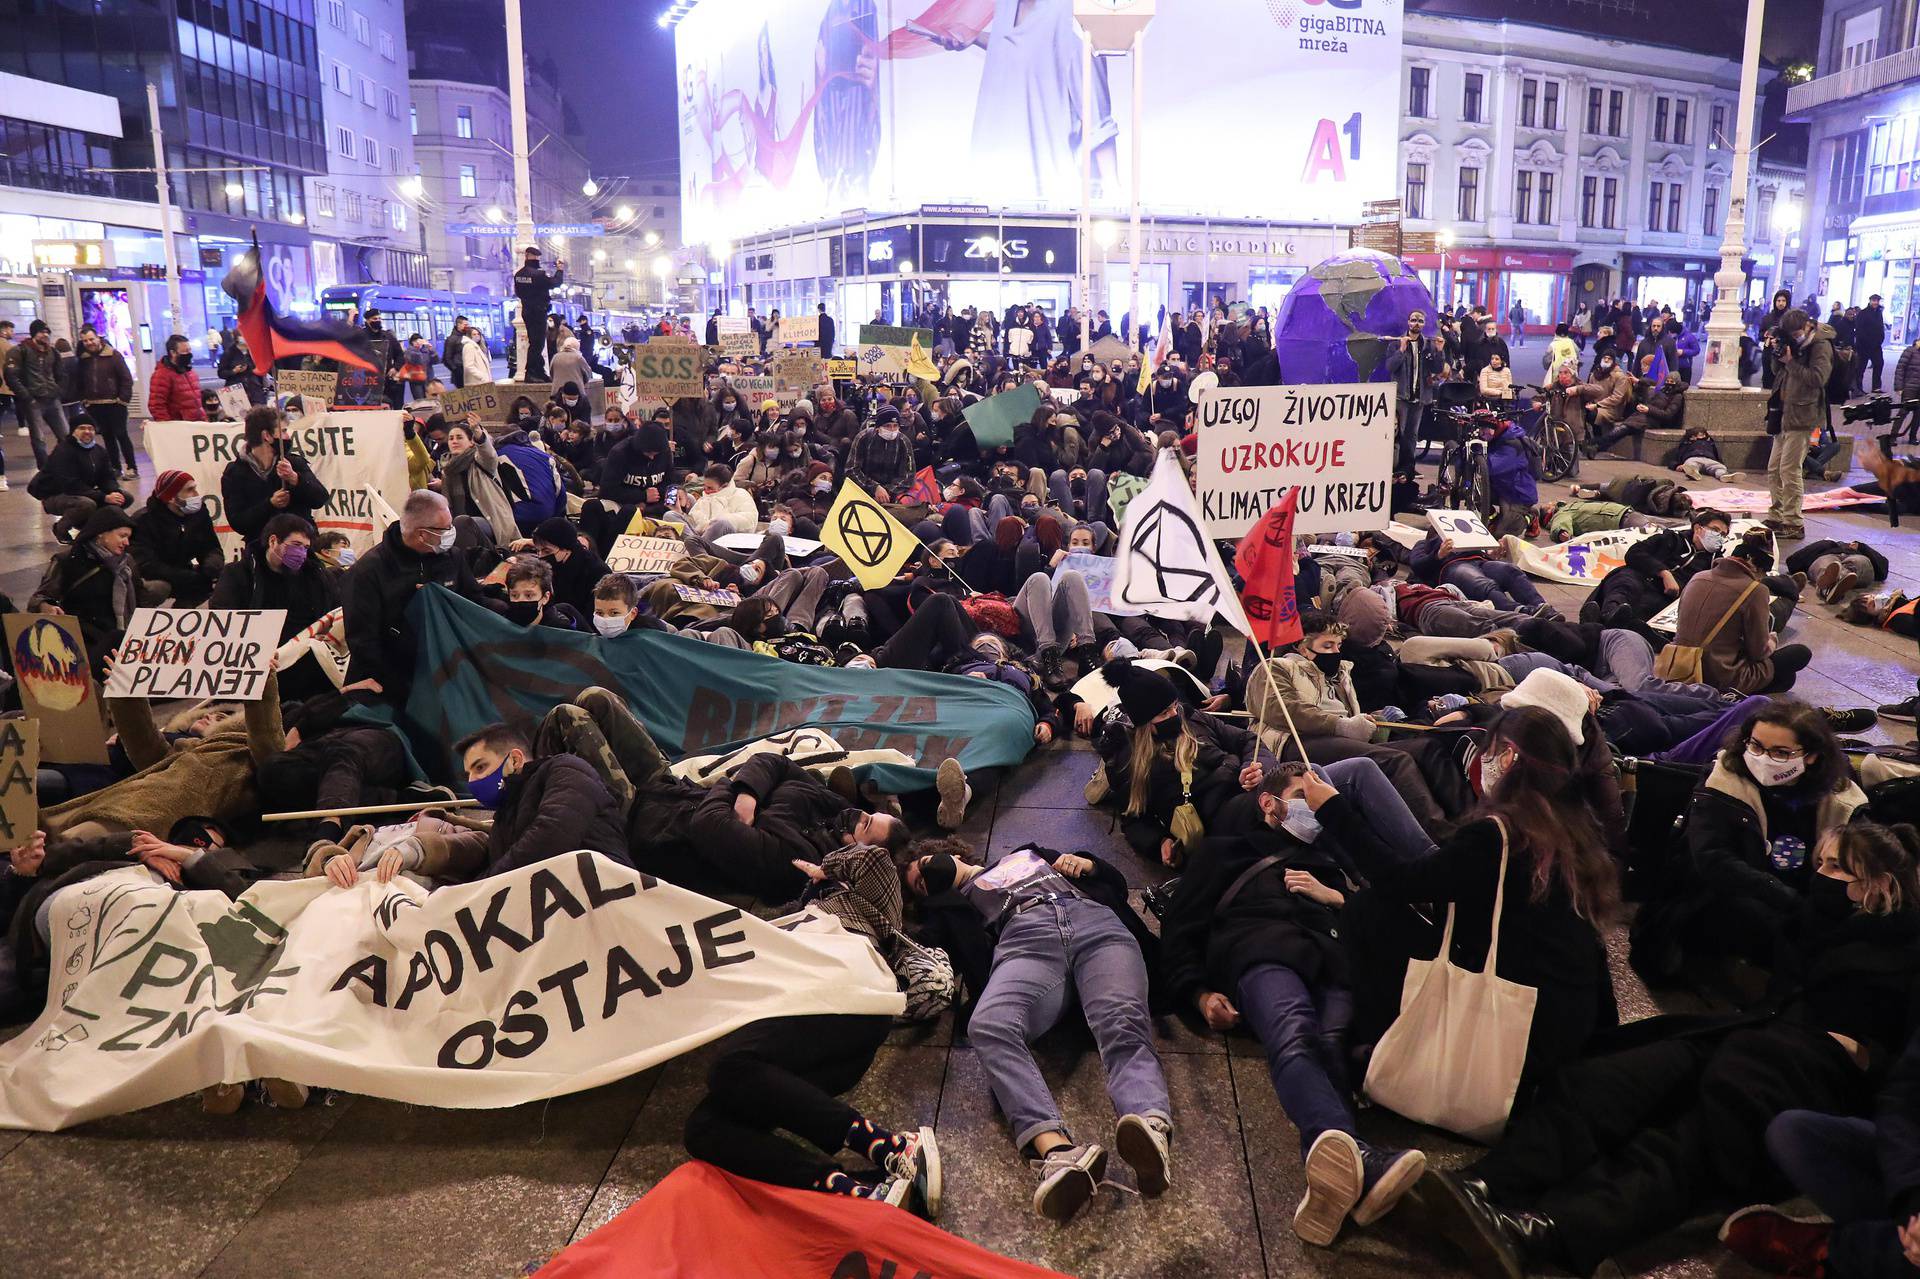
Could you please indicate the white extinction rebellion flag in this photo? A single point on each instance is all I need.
(549, 980)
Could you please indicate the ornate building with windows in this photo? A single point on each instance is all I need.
(1568, 150)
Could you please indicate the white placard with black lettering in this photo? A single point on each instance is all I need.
(200, 654)
(1335, 443)
(634, 554)
(1465, 529)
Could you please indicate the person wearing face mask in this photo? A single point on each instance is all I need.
(1779, 786)
(1315, 683)
(1164, 406)
(174, 541)
(94, 581)
(1626, 1145)
(543, 805)
(1534, 846)
(1252, 937)
(1606, 397)
(754, 824)
(1725, 613)
(413, 552)
(390, 356)
(529, 591)
(75, 479)
(576, 567)
(280, 570)
(335, 551)
(881, 459)
(1178, 774)
(1861, 1172)
(269, 477)
(762, 466)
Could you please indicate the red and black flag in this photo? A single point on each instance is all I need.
(272, 337)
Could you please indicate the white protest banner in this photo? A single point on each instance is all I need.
(1580, 561)
(312, 385)
(234, 402)
(799, 330)
(631, 554)
(798, 548)
(198, 653)
(546, 980)
(349, 453)
(1334, 442)
(19, 796)
(1465, 529)
(669, 370)
(1097, 572)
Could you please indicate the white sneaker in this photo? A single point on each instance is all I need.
(1068, 1177)
(4, 486)
(919, 1166)
(1335, 1179)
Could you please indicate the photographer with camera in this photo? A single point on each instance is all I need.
(1804, 351)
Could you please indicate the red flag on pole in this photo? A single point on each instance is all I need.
(925, 490)
(1264, 561)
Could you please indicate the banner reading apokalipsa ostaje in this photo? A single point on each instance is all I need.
(1256, 442)
(350, 452)
(549, 980)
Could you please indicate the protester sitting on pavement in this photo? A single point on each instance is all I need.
(723, 502)
(77, 478)
(174, 545)
(1177, 774)
(416, 551)
(1052, 923)
(1862, 1172)
(1725, 613)
(1621, 1146)
(1253, 935)
(473, 481)
(1777, 789)
(93, 581)
(529, 585)
(280, 571)
(577, 568)
(1539, 820)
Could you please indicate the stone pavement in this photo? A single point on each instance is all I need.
(360, 1187)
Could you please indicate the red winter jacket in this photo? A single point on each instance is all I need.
(173, 396)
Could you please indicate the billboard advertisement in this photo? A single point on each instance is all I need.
(797, 111)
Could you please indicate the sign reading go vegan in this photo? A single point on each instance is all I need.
(196, 653)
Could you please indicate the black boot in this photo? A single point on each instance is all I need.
(1496, 1242)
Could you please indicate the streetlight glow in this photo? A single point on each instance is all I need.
(624, 213)
(906, 268)
(1445, 239)
(235, 190)
(589, 188)
(496, 214)
(662, 265)
(1106, 234)
(599, 255)
(632, 265)
(413, 188)
(653, 238)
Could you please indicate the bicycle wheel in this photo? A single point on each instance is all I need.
(1562, 453)
(1476, 493)
(1444, 477)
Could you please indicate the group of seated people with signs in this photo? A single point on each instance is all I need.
(1389, 843)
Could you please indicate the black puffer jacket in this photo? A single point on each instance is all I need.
(1224, 751)
(374, 596)
(556, 804)
(72, 471)
(1205, 948)
(247, 496)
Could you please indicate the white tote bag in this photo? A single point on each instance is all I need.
(1453, 1057)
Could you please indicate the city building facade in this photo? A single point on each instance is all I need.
(363, 222)
(1861, 218)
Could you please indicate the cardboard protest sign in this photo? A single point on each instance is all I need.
(56, 686)
(488, 399)
(359, 389)
(314, 385)
(632, 554)
(1465, 529)
(887, 349)
(754, 390)
(545, 980)
(1580, 561)
(992, 420)
(197, 653)
(1335, 443)
(349, 452)
(799, 330)
(1108, 349)
(701, 595)
(234, 402)
(842, 370)
(669, 370)
(743, 345)
(19, 797)
(797, 373)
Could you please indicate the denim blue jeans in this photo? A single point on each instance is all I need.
(1380, 804)
(1501, 584)
(1069, 946)
(1301, 1029)
(1833, 1160)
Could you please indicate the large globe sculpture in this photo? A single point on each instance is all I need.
(1340, 321)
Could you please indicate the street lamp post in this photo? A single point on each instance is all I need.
(522, 168)
(176, 313)
(1729, 283)
(1442, 284)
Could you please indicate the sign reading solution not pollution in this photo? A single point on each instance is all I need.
(1334, 443)
(196, 653)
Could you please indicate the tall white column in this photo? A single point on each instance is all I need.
(1574, 105)
(176, 314)
(1723, 330)
(1084, 268)
(1133, 217)
(522, 169)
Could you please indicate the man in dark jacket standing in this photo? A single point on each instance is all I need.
(534, 287)
(1869, 337)
(103, 384)
(268, 478)
(76, 479)
(1412, 366)
(33, 376)
(378, 588)
(826, 333)
(174, 541)
(390, 355)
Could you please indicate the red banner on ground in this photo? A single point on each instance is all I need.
(702, 1223)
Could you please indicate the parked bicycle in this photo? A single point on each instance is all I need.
(1555, 440)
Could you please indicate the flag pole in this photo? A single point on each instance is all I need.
(1261, 724)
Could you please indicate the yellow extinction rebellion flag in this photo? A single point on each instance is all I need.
(871, 542)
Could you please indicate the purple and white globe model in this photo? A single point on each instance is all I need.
(1339, 323)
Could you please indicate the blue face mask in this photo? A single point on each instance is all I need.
(1300, 821)
(487, 789)
(87, 444)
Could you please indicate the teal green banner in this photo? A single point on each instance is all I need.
(994, 418)
(475, 668)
